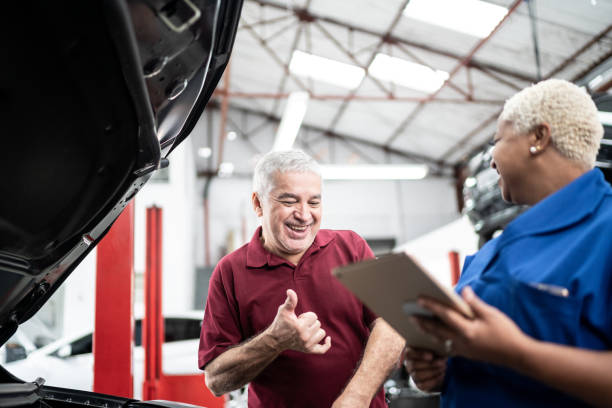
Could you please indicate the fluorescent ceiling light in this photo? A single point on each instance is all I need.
(374, 172)
(291, 120)
(326, 70)
(204, 152)
(605, 118)
(470, 182)
(406, 73)
(226, 169)
(595, 81)
(474, 17)
(231, 136)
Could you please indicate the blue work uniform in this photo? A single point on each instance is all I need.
(551, 272)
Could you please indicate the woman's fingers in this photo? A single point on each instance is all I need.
(420, 365)
(439, 331)
(413, 353)
(479, 307)
(428, 380)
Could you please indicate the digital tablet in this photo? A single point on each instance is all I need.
(390, 286)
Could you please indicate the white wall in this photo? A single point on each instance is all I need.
(377, 209)
(79, 297)
(431, 249)
(178, 202)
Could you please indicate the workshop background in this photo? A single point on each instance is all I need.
(417, 84)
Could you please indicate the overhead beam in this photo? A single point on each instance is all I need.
(564, 64)
(463, 63)
(365, 98)
(343, 106)
(437, 167)
(389, 38)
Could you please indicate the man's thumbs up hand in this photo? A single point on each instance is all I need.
(291, 301)
(301, 333)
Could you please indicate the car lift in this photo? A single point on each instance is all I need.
(157, 385)
(114, 325)
(114, 322)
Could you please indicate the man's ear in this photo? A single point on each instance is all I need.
(540, 137)
(256, 204)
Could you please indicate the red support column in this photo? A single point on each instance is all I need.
(189, 389)
(453, 258)
(114, 325)
(153, 322)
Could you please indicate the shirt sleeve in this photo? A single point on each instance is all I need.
(363, 251)
(220, 327)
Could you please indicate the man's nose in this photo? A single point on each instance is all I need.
(302, 212)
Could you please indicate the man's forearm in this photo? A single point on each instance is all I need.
(239, 365)
(381, 356)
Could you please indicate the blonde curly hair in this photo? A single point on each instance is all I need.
(575, 128)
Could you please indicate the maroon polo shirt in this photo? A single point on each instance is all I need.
(244, 294)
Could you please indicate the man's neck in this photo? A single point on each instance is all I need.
(292, 258)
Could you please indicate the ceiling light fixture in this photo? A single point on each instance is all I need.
(605, 118)
(231, 135)
(204, 152)
(374, 172)
(291, 120)
(326, 70)
(406, 73)
(226, 169)
(474, 17)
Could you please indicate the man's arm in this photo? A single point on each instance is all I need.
(239, 365)
(381, 356)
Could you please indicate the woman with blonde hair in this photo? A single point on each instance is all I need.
(543, 330)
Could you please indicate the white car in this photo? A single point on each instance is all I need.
(68, 362)
(30, 336)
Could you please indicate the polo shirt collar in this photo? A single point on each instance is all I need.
(257, 256)
(567, 206)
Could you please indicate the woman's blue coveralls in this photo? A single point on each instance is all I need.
(564, 241)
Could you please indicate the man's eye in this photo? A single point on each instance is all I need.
(315, 203)
(288, 202)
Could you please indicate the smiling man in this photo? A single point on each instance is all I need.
(277, 319)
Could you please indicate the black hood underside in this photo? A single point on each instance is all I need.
(93, 96)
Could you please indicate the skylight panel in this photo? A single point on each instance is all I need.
(406, 73)
(326, 70)
(473, 17)
(374, 171)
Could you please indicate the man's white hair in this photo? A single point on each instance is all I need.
(575, 128)
(281, 162)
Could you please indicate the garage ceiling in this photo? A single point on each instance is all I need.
(380, 121)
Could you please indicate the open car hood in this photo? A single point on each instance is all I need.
(94, 95)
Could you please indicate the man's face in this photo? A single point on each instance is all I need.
(291, 214)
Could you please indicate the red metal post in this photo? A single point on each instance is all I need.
(182, 388)
(153, 323)
(114, 325)
(453, 258)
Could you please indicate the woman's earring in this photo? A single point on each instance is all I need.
(533, 150)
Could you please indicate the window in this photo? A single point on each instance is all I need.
(175, 328)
